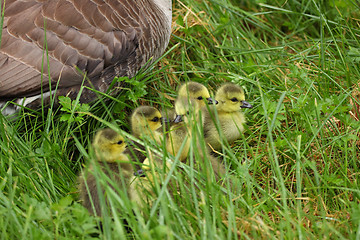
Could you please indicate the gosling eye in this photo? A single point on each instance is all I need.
(155, 119)
(120, 142)
(200, 98)
(234, 99)
(187, 113)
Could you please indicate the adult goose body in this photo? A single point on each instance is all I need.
(59, 42)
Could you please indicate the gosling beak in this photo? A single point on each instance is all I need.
(245, 104)
(139, 173)
(129, 142)
(178, 119)
(212, 101)
(164, 120)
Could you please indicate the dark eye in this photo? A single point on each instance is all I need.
(155, 119)
(187, 113)
(120, 142)
(234, 99)
(200, 98)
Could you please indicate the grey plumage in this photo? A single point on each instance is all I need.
(101, 38)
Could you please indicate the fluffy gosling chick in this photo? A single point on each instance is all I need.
(231, 99)
(180, 131)
(109, 149)
(145, 123)
(192, 91)
(142, 187)
(147, 120)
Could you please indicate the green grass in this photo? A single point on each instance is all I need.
(295, 171)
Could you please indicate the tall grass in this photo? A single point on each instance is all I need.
(295, 172)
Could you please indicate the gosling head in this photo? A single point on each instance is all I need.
(196, 91)
(108, 144)
(231, 98)
(184, 108)
(145, 119)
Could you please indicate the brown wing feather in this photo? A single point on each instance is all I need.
(101, 38)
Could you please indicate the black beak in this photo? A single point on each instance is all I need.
(212, 101)
(245, 104)
(164, 120)
(178, 119)
(139, 173)
(130, 142)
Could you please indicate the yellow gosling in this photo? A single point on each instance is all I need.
(109, 149)
(231, 99)
(179, 137)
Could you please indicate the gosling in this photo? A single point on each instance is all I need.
(142, 189)
(227, 116)
(145, 123)
(188, 123)
(180, 134)
(192, 91)
(109, 147)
